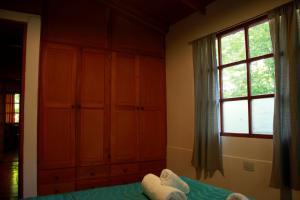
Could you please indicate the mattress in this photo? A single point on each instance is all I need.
(134, 192)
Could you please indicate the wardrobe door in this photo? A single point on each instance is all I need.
(57, 132)
(124, 115)
(152, 114)
(93, 137)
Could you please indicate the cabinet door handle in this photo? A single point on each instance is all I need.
(142, 108)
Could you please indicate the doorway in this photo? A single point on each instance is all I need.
(12, 42)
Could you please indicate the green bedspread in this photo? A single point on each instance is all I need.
(199, 191)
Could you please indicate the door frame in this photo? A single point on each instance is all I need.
(29, 100)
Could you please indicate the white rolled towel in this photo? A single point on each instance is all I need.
(152, 187)
(236, 196)
(169, 178)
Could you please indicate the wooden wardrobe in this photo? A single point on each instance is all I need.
(102, 112)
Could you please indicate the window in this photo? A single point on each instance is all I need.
(12, 108)
(246, 77)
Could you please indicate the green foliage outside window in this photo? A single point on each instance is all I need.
(262, 71)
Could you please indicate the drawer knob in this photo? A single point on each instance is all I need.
(125, 170)
(56, 178)
(56, 191)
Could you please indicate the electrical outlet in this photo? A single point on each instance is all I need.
(249, 166)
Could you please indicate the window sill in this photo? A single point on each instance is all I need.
(247, 135)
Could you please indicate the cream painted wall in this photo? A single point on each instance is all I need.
(180, 102)
(31, 97)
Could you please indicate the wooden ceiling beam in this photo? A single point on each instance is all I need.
(196, 5)
(141, 17)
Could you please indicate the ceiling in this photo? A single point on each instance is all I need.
(159, 13)
(162, 13)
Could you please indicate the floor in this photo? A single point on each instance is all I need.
(9, 166)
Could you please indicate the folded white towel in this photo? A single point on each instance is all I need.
(152, 187)
(169, 178)
(236, 196)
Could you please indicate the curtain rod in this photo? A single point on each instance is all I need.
(251, 19)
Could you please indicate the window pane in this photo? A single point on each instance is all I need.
(17, 98)
(260, 40)
(235, 116)
(17, 108)
(233, 47)
(234, 81)
(262, 76)
(262, 115)
(16, 118)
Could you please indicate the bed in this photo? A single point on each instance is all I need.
(134, 192)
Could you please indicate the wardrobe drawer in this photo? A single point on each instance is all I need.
(56, 188)
(124, 169)
(56, 176)
(92, 183)
(93, 172)
(119, 180)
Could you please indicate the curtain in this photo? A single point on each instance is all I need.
(284, 27)
(207, 151)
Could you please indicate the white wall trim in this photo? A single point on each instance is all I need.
(30, 98)
(224, 155)
(248, 159)
(180, 148)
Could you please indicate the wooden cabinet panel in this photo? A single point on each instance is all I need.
(57, 141)
(152, 115)
(130, 34)
(92, 140)
(124, 169)
(56, 188)
(124, 117)
(77, 22)
(93, 136)
(152, 82)
(117, 114)
(124, 136)
(57, 131)
(92, 78)
(124, 80)
(56, 176)
(93, 172)
(93, 183)
(152, 136)
(59, 63)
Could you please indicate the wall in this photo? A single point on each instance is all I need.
(180, 102)
(31, 96)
